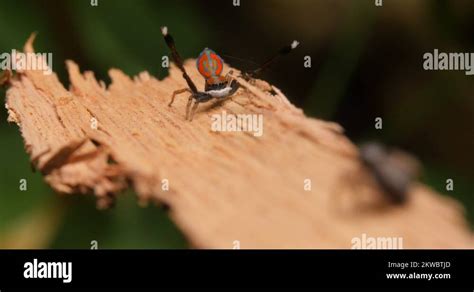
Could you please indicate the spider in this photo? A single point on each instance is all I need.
(393, 169)
(383, 177)
(210, 66)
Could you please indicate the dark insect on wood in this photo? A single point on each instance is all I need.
(210, 66)
(393, 169)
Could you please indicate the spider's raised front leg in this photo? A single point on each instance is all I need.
(176, 92)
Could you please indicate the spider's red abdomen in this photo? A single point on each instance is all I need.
(209, 64)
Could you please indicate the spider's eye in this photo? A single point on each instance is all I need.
(209, 64)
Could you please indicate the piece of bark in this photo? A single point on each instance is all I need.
(224, 186)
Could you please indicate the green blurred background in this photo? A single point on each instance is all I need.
(366, 63)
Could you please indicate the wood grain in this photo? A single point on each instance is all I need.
(224, 186)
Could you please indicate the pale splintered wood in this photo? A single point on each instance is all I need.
(224, 186)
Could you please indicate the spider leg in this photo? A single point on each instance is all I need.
(229, 77)
(188, 106)
(232, 82)
(234, 85)
(177, 58)
(198, 98)
(282, 52)
(193, 110)
(176, 92)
